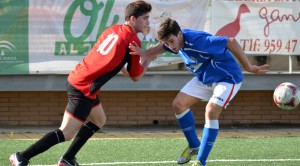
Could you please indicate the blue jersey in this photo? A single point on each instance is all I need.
(207, 57)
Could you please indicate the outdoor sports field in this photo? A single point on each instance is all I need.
(238, 148)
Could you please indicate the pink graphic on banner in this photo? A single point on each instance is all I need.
(233, 28)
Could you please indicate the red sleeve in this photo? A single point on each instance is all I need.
(135, 68)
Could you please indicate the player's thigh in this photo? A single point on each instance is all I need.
(197, 89)
(97, 116)
(183, 102)
(223, 93)
(193, 92)
(79, 106)
(77, 111)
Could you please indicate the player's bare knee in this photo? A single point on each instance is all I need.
(212, 112)
(178, 106)
(99, 122)
(212, 115)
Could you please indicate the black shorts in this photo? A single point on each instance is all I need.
(79, 106)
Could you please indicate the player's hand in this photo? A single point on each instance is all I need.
(259, 69)
(152, 57)
(124, 72)
(137, 50)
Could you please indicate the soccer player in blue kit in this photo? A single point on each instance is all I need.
(218, 77)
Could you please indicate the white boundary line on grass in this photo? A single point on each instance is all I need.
(166, 162)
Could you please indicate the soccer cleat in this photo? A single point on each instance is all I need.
(187, 155)
(65, 162)
(17, 160)
(197, 163)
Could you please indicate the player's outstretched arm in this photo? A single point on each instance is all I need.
(239, 53)
(146, 56)
(151, 52)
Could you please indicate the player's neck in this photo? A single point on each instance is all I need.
(128, 24)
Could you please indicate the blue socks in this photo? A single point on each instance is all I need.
(187, 123)
(209, 135)
(210, 132)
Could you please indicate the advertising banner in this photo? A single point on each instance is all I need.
(262, 27)
(14, 37)
(62, 32)
(52, 36)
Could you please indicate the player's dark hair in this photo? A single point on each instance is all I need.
(168, 27)
(137, 9)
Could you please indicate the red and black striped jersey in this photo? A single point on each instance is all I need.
(105, 60)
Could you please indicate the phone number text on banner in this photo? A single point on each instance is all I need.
(261, 27)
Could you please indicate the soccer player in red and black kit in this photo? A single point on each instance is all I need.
(84, 112)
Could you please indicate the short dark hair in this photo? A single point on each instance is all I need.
(137, 9)
(168, 27)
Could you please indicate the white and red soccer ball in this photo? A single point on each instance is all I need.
(287, 96)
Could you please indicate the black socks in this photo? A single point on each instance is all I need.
(54, 137)
(46, 142)
(85, 132)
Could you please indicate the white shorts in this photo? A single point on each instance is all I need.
(220, 93)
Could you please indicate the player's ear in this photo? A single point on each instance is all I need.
(132, 19)
(180, 37)
(179, 34)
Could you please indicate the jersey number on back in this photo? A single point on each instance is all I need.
(105, 47)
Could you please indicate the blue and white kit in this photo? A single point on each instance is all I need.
(207, 57)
